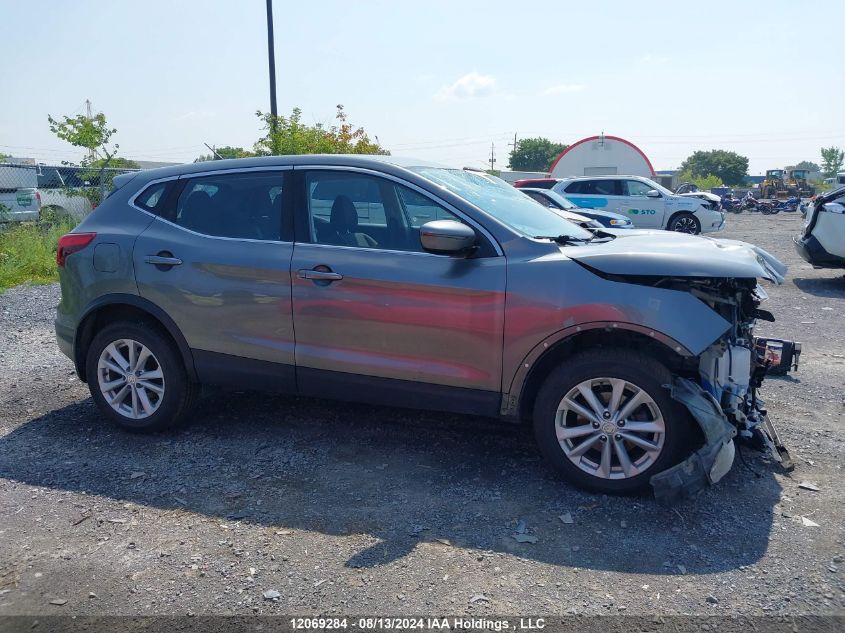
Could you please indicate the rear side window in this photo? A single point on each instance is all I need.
(152, 198)
(596, 187)
(245, 205)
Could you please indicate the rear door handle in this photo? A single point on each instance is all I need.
(160, 260)
(318, 275)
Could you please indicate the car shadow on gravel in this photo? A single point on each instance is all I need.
(832, 287)
(399, 477)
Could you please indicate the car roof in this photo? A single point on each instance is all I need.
(343, 160)
(604, 177)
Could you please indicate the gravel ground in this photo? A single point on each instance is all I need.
(284, 505)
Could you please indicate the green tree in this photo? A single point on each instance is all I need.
(807, 164)
(705, 183)
(832, 159)
(289, 135)
(729, 167)
(4, 157)
(225, 152)
(535, 154)
(94, 135)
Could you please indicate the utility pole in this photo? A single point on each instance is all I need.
(514, 148)
(492, 156)
(90, 118)
(271, 57)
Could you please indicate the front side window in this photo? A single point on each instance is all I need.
(244, 205)
(637, 188)
(352, 209)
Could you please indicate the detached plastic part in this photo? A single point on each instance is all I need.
(709, 463)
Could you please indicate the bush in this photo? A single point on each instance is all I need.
(28, 250)
(705, 183)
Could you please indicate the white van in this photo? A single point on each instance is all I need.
(19, 197)
(647, 204)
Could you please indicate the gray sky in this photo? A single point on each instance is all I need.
(434, 79)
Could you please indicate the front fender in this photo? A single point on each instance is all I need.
(553, 297)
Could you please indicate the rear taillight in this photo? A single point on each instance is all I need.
(38, 198)
(70, 243)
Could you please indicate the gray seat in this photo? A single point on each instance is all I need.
(344, 224)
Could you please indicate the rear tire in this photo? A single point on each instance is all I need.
(594, 446)
(685, 223)
(137, 378)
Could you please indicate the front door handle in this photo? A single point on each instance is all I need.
(162, 260)
(318, 275)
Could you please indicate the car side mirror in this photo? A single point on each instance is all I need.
(446, 237)
(652, 193)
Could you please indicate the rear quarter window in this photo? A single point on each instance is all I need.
(152, 198)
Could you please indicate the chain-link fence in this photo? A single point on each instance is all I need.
(28, 191)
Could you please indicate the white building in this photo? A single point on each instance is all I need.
(602, 155)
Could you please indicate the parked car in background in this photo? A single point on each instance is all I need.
(646, 203)
(691, 190)
(19, 198)
(316, 275)
(62, 189)
(536, 183)
(561, 205)
(822, 238)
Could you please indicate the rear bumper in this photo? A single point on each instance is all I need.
(812, 251)
(64, 337)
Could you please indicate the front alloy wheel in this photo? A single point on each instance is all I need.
(685, 223)
(605, 420)
(610, 428)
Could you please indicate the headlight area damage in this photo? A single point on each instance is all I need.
(723, 399)
(720, 386)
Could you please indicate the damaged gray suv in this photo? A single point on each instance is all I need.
(397, 282)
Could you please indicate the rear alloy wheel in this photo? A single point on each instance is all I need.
(606, 422)
(137, 379)
(685, 223)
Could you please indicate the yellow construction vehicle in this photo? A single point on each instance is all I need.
(796, 183)
(773, 186)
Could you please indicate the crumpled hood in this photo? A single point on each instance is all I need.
(670, 254)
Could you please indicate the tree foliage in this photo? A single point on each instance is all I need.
(832, 160)
(94, 135)
(289, 135)
(535, 154)
(807, 164)
(226, 151)
(705, 183)
(729, 167)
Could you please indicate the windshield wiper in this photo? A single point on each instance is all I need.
(565, 239)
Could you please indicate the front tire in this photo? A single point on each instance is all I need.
(137, 378)
(685, 223)
(604, 420)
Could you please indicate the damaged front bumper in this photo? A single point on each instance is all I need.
(742, 415)
(709, 463)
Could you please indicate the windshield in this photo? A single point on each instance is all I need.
(560, 201)
(660, 188)
(502, 201)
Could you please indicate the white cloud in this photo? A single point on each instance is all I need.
(562, 89)
(469, 86)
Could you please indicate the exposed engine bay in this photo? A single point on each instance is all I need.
(723, 397)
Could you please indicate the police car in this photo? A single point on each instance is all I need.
(647, 204)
